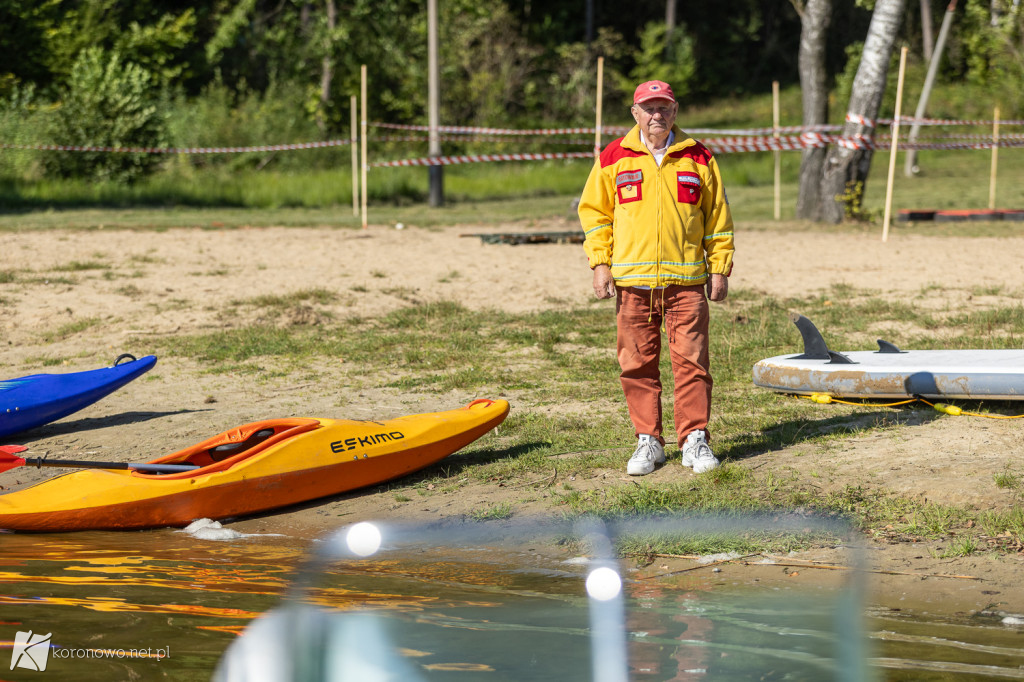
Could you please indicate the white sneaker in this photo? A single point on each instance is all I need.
(697, 453)
(649, 451)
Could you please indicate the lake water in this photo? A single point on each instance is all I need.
(481, 602)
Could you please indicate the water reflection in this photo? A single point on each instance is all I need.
(110, 600)
(557, 616)
(493, 601)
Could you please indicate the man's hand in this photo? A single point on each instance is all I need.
(604, 284)
(717, 287)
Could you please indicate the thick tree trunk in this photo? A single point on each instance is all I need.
(814, 20)
(847, 164)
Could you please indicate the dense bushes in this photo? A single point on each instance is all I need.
(109, 103)
(231, 117)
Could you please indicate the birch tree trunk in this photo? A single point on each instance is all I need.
(927, 43)
(815, 16)
(327, 67)
(670, 27)
(848, 164)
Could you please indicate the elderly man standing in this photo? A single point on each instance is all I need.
(658, 234)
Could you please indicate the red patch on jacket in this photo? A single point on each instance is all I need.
(615, 152)
(628, 185)
(698, 152)
(687, 187)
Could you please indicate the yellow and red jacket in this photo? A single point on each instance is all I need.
(657, 225)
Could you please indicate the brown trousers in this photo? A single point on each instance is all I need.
(639, 315)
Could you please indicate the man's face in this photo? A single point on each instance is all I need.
(655, 116)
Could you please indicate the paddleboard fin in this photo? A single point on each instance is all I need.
(815, 347)
(886, 347)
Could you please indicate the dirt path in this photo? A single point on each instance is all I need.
(187, 281)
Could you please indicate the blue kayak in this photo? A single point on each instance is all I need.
(31, 401)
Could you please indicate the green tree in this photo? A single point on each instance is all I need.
(111, 103)
(24, 27)
(678, 70)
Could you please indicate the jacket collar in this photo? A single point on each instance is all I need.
(632, 140)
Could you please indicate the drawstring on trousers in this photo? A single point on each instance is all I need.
(650, 309)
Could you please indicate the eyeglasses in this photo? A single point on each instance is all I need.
(651, 109)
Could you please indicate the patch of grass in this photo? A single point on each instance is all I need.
(960, 547)
(8, 276)
(38, 279)
(318, 295)
(991, 290)
(81, 266)
(538, 358)
(729, 541)
(71, 328)
(401, 293)
(1007, 480)
(495, 512)
(242, 350)
(146, 258)
(130, 291)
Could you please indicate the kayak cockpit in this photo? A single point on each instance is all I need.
(227, 449)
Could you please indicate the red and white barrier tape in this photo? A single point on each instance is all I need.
(814, 137)
(478, 158)
(473, 130)
(909, 120)
(724, 145)
(469, 138)
(959, 145)
(176, 150)
(605, 130)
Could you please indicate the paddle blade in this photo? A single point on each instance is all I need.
(7, 458)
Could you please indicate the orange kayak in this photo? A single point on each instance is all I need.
(252, 468)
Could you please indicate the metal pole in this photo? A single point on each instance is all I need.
(435, 173)
(910, 168)
(892, 150)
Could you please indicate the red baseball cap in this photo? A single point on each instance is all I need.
(653, 90)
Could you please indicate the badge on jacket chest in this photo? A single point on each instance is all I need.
(688, 187)
(627, 185)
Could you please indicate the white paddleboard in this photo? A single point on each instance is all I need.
(892, 373)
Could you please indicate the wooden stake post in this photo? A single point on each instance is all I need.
(995, 161)
(892, 150)
(355, 160)
(362, 134)
(778, 152)
(600, 97)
